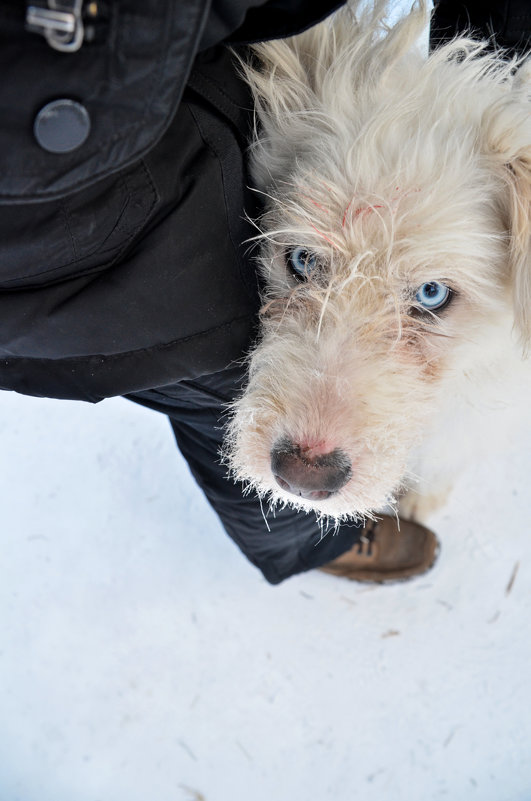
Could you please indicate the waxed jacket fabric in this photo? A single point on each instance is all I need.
(124, 264)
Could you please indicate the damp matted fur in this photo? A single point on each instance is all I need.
(391, 171)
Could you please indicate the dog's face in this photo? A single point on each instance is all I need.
(393, 233)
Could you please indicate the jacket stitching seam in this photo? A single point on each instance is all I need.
(100, 250)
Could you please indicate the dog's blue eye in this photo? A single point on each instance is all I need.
(302, 262)
(433, 295)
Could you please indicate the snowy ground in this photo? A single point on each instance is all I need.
(141, 657)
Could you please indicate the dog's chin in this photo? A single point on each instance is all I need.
(372, 487)
(347, 505)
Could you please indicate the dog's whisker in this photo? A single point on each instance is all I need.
(323, 309)
(263, 515)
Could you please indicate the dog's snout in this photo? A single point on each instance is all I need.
(314, 478)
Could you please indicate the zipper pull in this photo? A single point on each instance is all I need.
(60, 23)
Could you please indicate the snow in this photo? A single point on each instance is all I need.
(142, 657)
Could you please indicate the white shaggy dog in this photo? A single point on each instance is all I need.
(395, 247)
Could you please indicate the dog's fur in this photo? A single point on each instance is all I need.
(394, 170)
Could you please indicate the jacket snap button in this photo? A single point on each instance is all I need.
(61, 126)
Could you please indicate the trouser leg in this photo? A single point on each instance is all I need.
(279, 543)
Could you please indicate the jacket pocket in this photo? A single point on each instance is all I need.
(41, 243)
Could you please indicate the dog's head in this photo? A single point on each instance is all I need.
(396, 233)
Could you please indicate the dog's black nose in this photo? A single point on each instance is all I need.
(313, 478)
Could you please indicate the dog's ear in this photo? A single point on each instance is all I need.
(307, 82)
(507, 131)
(284, 97)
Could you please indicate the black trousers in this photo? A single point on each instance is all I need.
(280, 543)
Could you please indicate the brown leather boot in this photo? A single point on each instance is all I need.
(388, 552)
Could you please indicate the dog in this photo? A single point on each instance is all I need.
(395, 252)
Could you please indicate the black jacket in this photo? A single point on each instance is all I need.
(123, 263)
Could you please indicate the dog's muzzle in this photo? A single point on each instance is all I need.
(314, 478)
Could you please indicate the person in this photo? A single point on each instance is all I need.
(125, 267)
